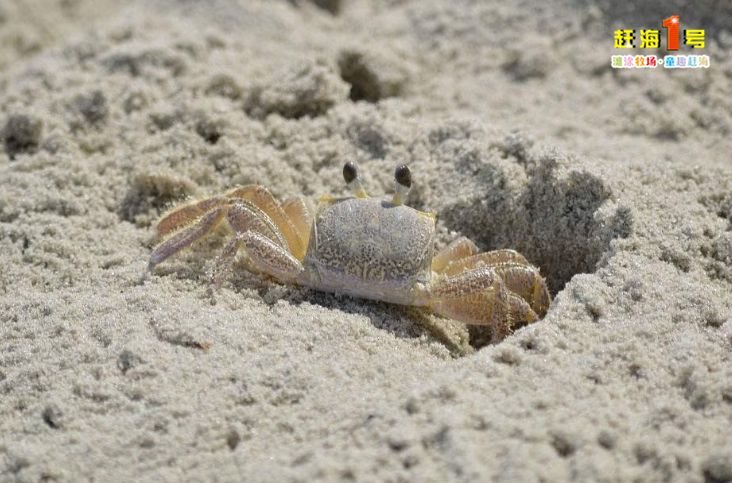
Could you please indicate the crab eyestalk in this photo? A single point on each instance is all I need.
(353, 180)
(403, 183)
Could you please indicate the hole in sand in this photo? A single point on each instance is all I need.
(304, 89)
(332, 6)
(149, 194)
(210, 131)
(21, 134)
(563, 219)
(372, 75)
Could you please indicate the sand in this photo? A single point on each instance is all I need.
(617, 184)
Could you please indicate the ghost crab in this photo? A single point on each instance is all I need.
(375, 248)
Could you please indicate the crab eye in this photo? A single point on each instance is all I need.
(350, 172)
(403, 175)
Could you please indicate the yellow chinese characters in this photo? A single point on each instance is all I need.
(624, 38)
(694, 37)
(649, 39)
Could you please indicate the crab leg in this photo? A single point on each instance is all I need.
(301, 216)
(518, 274)
(187, 236)
(187, 214)
(271, 258)
(480, 297)
(527, 283)
(458, 249)
(263, 199)
(225, 260)
(242, 217)
(493, 258)
(264, 254)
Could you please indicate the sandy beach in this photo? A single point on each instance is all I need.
(616, 183)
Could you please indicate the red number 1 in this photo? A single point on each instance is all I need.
(672, 32)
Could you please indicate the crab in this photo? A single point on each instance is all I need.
(369, 247)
